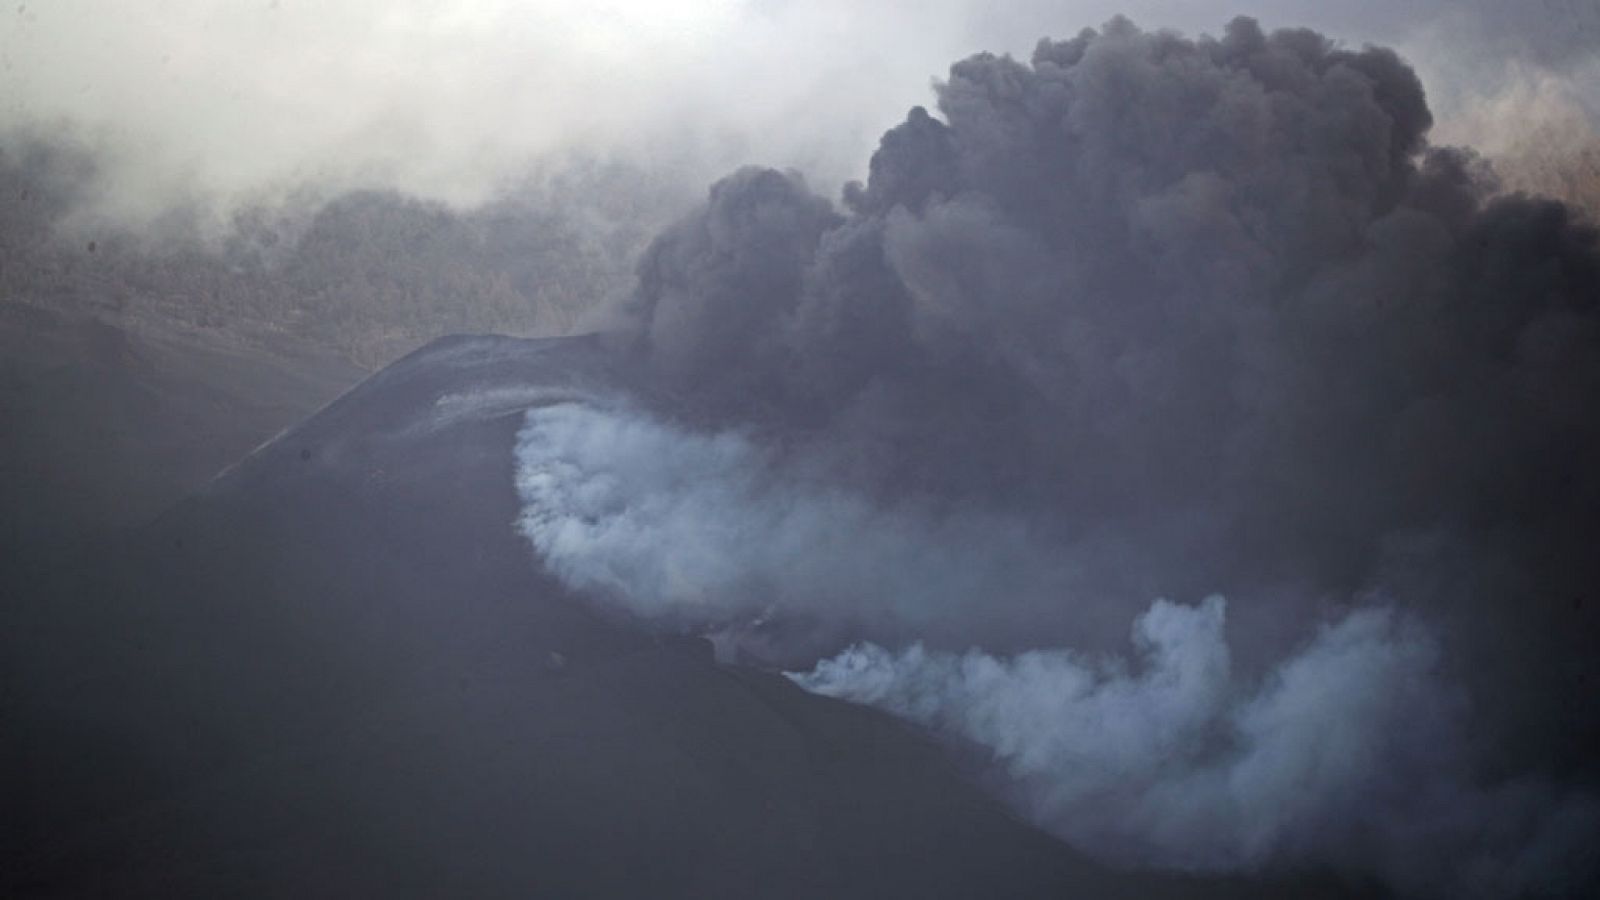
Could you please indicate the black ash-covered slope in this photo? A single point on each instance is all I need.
(109, 417)
(340, 671)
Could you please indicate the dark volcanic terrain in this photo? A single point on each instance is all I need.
(338, 671)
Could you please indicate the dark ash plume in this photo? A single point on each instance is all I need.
(1213, 295)
(1196, 315)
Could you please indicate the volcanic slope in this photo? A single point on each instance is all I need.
(339, 670)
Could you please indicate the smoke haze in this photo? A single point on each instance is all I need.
(1144, 316)
(194, 103)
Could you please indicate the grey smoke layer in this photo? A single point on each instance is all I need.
(1146, 316)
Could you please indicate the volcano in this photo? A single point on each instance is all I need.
(337, 670)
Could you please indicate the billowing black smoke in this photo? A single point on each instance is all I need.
(1146, 317)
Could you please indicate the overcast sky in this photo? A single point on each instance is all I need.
(447, 97)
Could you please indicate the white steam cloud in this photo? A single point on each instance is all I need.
(1350, 754)
(705, 529)
(1353, 753)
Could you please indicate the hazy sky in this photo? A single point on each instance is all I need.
(445, 97)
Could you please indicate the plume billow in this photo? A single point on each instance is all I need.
(1147, 316)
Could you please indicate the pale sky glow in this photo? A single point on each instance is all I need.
(447, 98)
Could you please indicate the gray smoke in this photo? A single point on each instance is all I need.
(1214, 299)
(1145, 316)
(196, 102)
